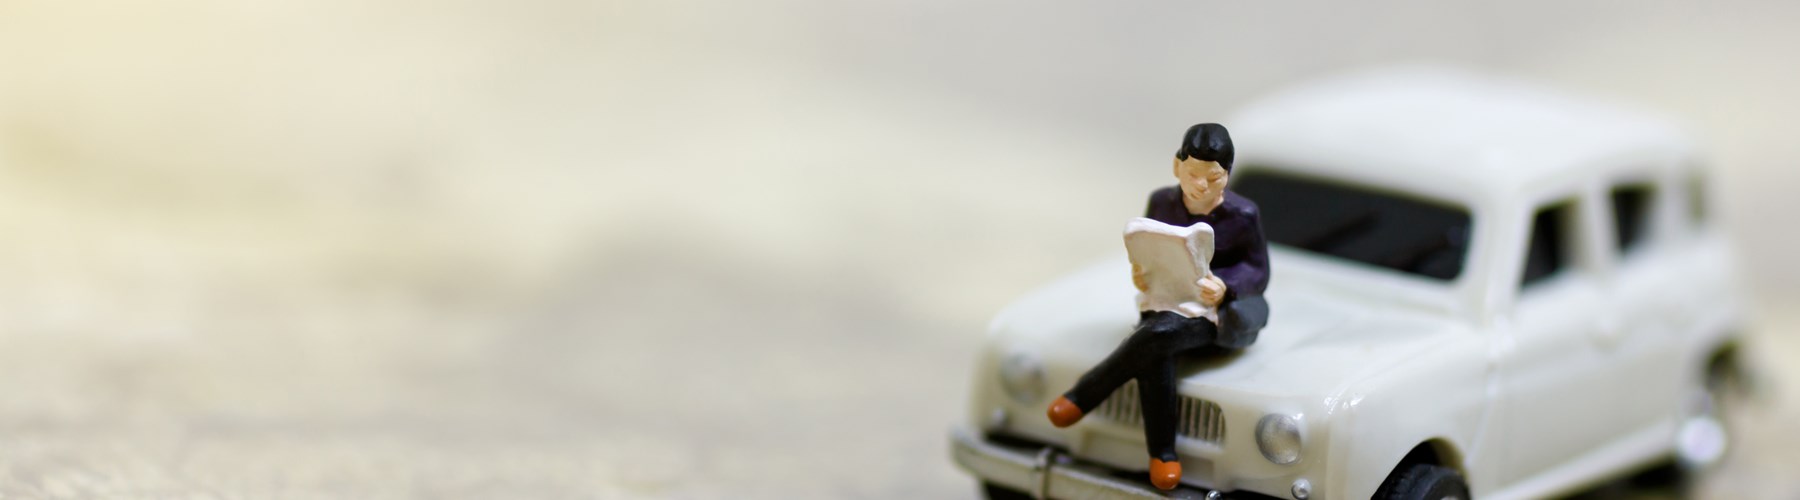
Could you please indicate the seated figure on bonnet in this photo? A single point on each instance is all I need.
(1239, 274)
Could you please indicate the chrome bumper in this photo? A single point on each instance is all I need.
(1045, 472)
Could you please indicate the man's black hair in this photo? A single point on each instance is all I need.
(1207, 142)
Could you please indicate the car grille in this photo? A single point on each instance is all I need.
(1200, 419)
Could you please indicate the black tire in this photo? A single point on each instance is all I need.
(1423, 482)
(993, 491)
(1667, 474)
(1724, 387)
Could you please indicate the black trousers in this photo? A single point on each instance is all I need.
(1149, 356)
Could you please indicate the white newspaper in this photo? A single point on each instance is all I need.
(1174, 259)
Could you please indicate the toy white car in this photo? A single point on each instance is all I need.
(1479, 288)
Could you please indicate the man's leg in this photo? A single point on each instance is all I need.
(1157, 388)
(1241, 320)
(1157, 335)
(1156, 391)
(1119, 367)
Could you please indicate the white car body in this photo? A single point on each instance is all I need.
(1526, 392)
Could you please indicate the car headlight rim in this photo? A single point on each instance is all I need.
(1278, 438)
(1022, 377)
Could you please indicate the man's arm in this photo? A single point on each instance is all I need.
(1243, 312)
(1249, 276)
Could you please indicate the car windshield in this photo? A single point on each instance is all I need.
(1350, 222)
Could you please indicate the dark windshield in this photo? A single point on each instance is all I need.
(1350, 222)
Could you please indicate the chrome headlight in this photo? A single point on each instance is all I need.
(1022, 375)
(1278, 436)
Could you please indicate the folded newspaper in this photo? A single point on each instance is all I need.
(1174, 260)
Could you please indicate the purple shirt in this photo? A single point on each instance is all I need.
(1240, 253)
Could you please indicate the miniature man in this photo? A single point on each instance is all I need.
(1240, 272)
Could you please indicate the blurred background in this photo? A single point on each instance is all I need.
(677, 249)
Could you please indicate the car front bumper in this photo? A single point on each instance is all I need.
(1045, 472)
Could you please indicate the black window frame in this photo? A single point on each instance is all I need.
(1632, 231)
(1564, 216)
(1363, 211)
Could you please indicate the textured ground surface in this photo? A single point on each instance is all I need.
(664, 249)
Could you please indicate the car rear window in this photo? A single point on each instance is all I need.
(1631, 204)
(1548, 251)
(1368, 226)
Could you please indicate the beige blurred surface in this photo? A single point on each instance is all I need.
(670, 249)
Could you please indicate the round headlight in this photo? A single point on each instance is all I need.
(1279, 438)
(1023, 377)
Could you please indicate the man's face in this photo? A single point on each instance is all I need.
(1202, 183)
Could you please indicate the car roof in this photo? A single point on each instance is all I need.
(1447, 133)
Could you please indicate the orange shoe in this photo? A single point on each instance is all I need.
(1064, 413)
(1165, 475)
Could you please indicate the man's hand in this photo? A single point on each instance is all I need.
(1137, 278)
(1212, 290)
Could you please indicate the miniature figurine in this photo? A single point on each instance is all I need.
(1240, 263)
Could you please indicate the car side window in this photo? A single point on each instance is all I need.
(1631, 205)
(1548, 250)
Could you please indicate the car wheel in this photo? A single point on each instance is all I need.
(1424, 482)
(997, 492)
(1705, 433)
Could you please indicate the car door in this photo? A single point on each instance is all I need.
(1554, 377)
(1646, 308)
